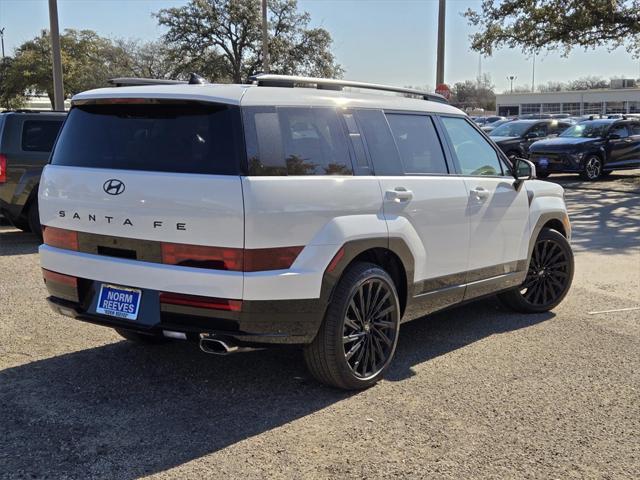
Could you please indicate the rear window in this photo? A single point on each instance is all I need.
(39, 135)
(296, 141)
(162, 137)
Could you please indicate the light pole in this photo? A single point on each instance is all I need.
(2, 39)
(265, 38)
(440, 53)
(58, 93)
(511, 78)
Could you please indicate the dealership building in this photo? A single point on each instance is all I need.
(625, 99)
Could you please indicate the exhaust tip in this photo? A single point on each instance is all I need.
(217, 346)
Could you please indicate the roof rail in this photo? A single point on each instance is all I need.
(272, 80)
(133, 82)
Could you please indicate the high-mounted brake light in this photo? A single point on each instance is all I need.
(60, 238)
(216, 258)
(200, 302)
(3, 168)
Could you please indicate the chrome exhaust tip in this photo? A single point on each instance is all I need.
(220, 346)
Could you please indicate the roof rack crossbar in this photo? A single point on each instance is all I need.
(133, 81)
(272, 80)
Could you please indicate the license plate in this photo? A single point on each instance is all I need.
(543, 162)
(121, 302)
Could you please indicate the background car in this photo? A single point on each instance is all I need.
(26, 140)
(514, 138)
(593, 148)
(491, 126)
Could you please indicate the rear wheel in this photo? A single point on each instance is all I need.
(358, 337)
(592, 169)
(140, 338)
(33, 216)
(548, 278)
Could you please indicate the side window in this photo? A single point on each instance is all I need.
(380, 144)
(540, 130)
(635, 128)
(558, 128)
(39, 135)
(475, 155)
(620, 130)
(418, 143)
(296, 141)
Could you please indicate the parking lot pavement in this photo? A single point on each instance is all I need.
(475, 392)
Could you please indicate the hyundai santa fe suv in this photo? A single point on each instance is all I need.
(242, 216)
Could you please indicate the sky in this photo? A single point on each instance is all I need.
(380, 41)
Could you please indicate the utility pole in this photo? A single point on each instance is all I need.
(265, 38)
(2, 39)
(511, 78)
(533, 75)
(58, 93)
(440, 54)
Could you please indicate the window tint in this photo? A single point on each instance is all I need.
(296, 141)
(635, 128)
(163, 137)
(475, 155)
(380, 144)
(39, 135)
(620, 130)
(418, 143)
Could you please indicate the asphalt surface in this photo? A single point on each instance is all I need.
(475, 392)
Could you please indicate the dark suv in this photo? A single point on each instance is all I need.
(514, 138)
(592, 148)
(26, 140)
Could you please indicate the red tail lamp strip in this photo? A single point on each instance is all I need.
(3, 168)
(66, 280)
(336, 260)
(60, 238)
(216, 258)
(201, 302)
(260, 259)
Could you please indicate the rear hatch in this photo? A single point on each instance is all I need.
(151, 170)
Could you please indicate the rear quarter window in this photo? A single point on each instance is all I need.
(39, 135)
(296, 141)
(163, 137)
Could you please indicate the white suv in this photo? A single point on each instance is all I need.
(241, 216)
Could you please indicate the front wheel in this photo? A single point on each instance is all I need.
(548, 278)
(358, 337)
(592, 169)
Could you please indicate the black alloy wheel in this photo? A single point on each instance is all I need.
(592, 169)
(549, 276)
(357, 340)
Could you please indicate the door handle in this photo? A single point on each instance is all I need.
(480, 193)
(399, 194)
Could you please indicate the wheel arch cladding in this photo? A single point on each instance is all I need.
(391, 254)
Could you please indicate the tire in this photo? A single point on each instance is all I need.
(592, 168)
(140, 338)
(548, 278)
(542, 174)
(362, 294)
(33, 217)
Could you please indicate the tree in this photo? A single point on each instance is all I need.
(588, 83)
(476, 94)
(88, 60)
(535, 25)
(221, 39)
(552, 87)
(11, 91)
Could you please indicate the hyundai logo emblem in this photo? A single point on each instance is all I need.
(113, 186)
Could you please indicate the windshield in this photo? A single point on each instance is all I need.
(586, 130)
(511, 129)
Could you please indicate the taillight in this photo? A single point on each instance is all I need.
(60, 238)
(3, 168)
(260, 259)
(200, 302)
(216, 258)
(235, 259)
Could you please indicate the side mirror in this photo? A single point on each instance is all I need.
(531, 135)
(524, 170)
